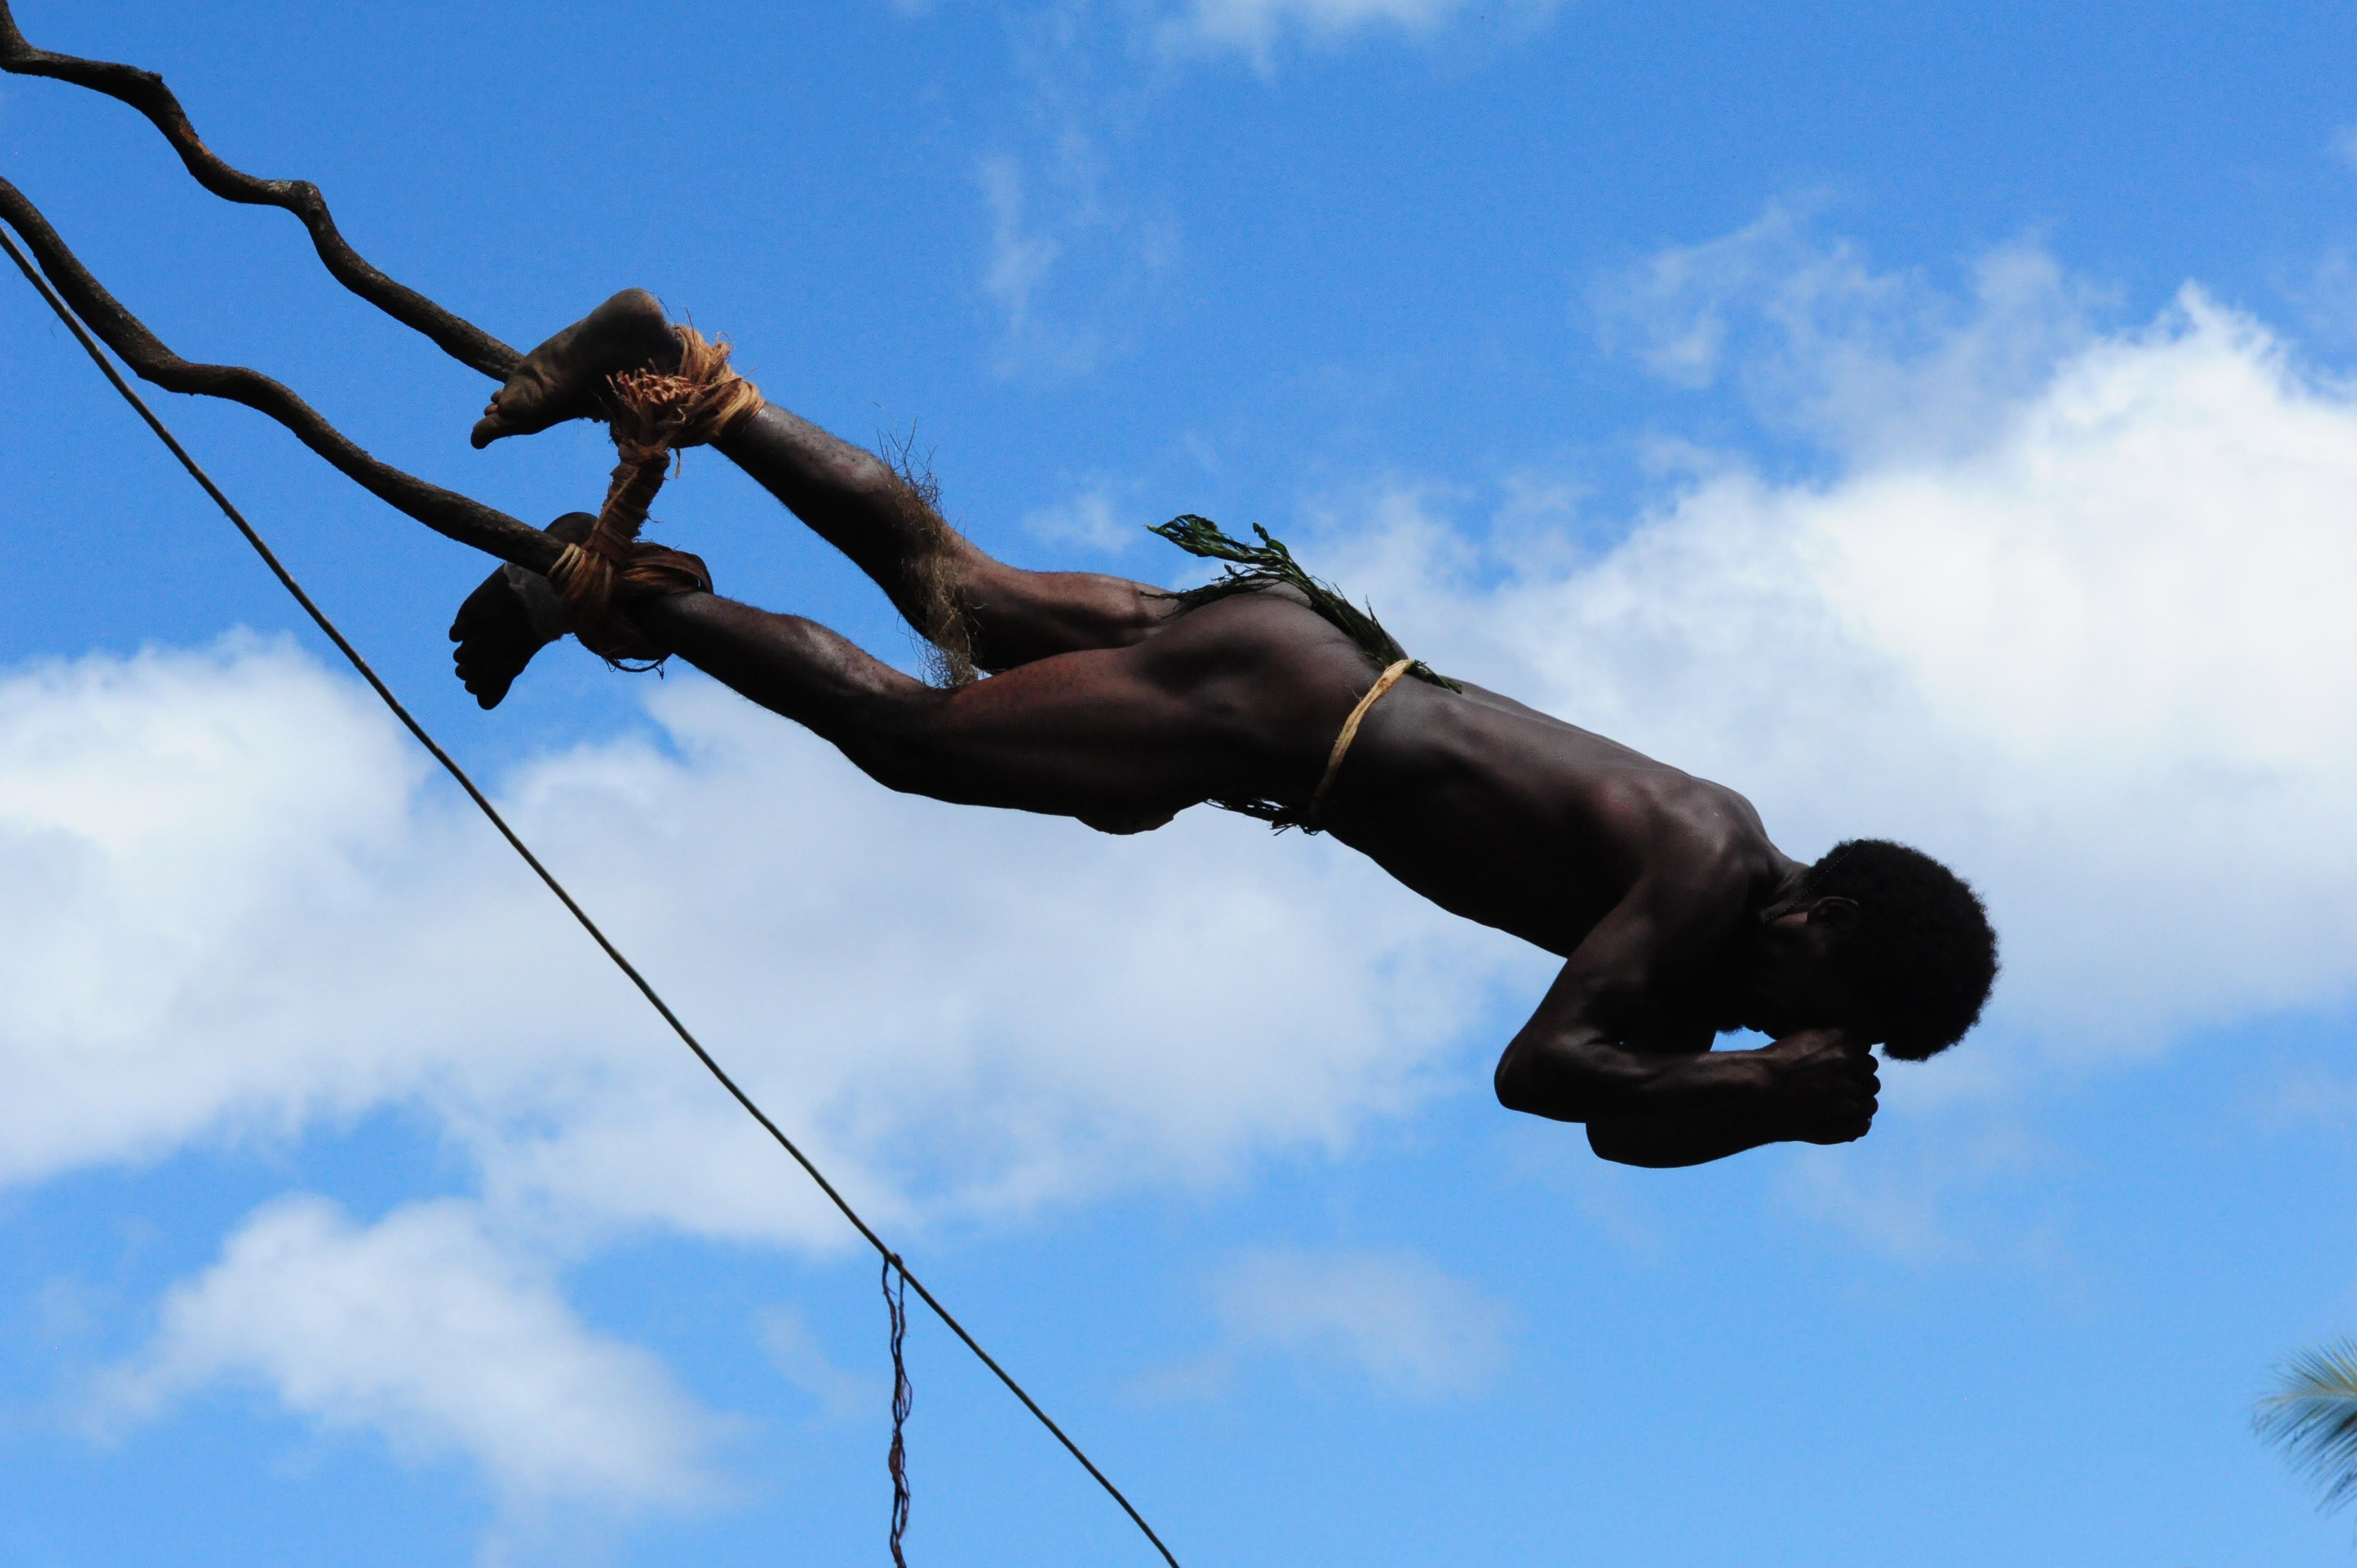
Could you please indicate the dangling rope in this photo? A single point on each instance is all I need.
(895, 1306)
(20, 212)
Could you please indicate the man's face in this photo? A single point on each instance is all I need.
(1790, 980)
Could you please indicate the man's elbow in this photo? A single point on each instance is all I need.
(1528, 1086)
(1514, 1086)
(1623, 1144)
(1508, 1084)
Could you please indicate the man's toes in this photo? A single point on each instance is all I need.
(488, 429)
(532, 400)
(566, 377)
(488, 688)
(486, 666)
(495, 636)
(512, 615)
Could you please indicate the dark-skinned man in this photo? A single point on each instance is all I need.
(1113, 703)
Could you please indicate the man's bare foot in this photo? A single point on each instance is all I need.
(566, 377)
(512, 616)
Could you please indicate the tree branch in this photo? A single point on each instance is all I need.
(145, 90)
(446, 512)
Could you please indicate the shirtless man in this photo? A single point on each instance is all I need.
(1108, 702)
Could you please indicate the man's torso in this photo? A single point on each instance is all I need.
(1495, 812)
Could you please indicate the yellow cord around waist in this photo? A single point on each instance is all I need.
(1383, 682)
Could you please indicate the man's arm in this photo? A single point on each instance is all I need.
(1662, 1109)
(1820, 1087)
(1585, 1055)
(1669, 1140)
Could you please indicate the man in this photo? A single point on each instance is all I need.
(1119, 705)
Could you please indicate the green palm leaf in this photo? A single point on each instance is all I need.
(2312, 1415)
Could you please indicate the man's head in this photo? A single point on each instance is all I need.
(1884, 939)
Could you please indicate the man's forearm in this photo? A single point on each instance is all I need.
(1664, 1139)
(1583, 1082)
(1815, 1086)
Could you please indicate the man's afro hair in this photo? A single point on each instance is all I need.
(1923, 952)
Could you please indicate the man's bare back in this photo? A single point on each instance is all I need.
(1111, 702)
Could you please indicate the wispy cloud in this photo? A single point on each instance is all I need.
(1926, 1198)
(426, 1332)
(1393, 1318)
(1073, 248)
(1099, 518)
(1021, 258)
(1070, 255)
(1260, 29)
(796, 1353)
(1826, 346)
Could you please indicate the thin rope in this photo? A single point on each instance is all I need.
(482, 803)
(896, 1309)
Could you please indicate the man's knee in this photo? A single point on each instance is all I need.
(1018, 616)
(901, 741)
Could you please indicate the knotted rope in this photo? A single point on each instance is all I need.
(653, 414)
(895, 1306)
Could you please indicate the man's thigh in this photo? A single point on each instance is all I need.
(1237, 699)
(1018, 616)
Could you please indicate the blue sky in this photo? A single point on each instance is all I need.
(1931, 421)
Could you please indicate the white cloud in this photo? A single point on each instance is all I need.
(154, 811)
(240, 909)
(1020, 259)
(2084, 633)
(1095, 520)
(1257, 28)
(1071, 259)
(795, 1351)
(1676, 303)
(237, 909)
(425, 1331)
(1874, 364)
(1393, 1318)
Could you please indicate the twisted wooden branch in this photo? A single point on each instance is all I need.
(446, 512)
(145, 90)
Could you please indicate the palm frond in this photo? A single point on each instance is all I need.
(1269, 564)
(2312, 1416)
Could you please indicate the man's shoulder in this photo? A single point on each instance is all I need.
(1683, 815)
(1692, 839)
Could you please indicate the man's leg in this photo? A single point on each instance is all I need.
(974, 608)
(1232, 701)
(940, 583)
(512, 615)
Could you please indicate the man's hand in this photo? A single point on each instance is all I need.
(1821, 1085)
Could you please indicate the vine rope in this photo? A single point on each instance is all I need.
(457, 516)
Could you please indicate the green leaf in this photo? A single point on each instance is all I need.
(2312, 1416)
